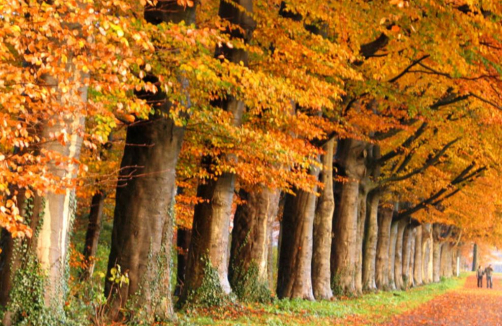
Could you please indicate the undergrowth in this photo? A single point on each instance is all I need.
(373, 308)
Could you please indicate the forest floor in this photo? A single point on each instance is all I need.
(469, 306)
(441, 303)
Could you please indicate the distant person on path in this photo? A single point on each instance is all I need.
(480, 274)
(488, 272)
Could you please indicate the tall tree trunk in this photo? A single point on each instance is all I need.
(51, 215)
(295, 260)
(53, 236)
(143, 221)
(411, 281)
(417, 266)
(436, 261)
(370, 242)
(398, 263)
(446, 260)
(427, 253)
(210, 237)
(183, 243)
(7, 243)
(323, 225)
(250, 242)
(456, 260)
(475, 256)
(272, 257)
(406, 256)
(383, 248)
(10, 261)
(17, 255)
(350, 161)
(392, 255)
(361, 219)
(92, 234)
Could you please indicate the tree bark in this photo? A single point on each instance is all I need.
(51, 244)
(210, 237)
(272, 257)
(51, 214)
(251, 239)
(323, 225)
(7, 243)
(143, 219)
(446, 260)
(92, 234)
(427, 253)
(406, 256)
(436, 257)
(350, 162)
(361, 219)
(392, 255)
(183, 242)
(417, 266)
(398, 263)
(475, 257)
(17, 252)
(295, 260)
(411, 281)
(383, 249)
(9, 260)
(143, 226)
(370, 242)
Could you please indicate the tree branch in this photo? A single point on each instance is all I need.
(406, 144)
(486, 101)
(369, 49)
(414, 63)
(431, 161)
(435, 199)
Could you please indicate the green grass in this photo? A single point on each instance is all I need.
(368, 309)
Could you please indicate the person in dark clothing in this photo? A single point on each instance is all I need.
(488, 272)
(480, 274)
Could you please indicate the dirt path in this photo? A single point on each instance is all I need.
(469, 306)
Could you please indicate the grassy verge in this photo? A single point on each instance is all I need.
(369, 309)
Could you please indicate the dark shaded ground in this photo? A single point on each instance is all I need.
(468, 306)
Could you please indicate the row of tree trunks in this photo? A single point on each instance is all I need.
(410, 255)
